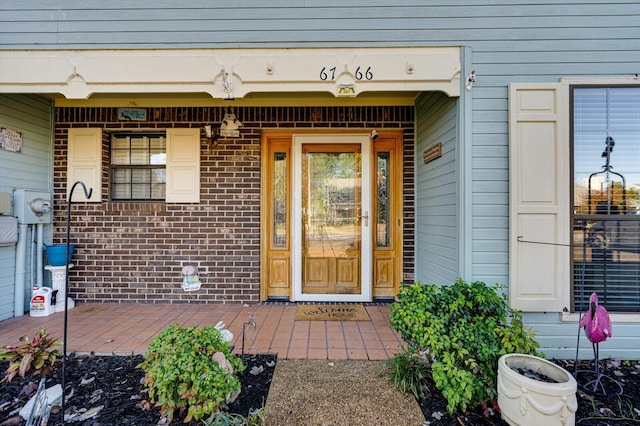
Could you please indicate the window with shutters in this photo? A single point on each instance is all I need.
(162, 166)
(138, 166)
(605, 136)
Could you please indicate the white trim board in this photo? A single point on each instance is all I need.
(231, 73)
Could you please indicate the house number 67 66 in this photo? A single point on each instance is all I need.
(359, 74)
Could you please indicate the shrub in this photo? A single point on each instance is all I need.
(465, 328)
(180, 372)
(35, 355)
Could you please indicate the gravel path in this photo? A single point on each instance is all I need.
(324, 393)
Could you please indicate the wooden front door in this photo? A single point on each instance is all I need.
(331, 216)
(331, 219)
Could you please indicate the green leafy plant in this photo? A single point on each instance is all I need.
(464, 328)
(254, 418)
(409, 372)
(180, 373)
(35, 355)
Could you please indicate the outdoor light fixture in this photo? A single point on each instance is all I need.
(471, 78)
(374, 136)
(346, 90)
(210, 134)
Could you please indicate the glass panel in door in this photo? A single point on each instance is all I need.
(331, 218)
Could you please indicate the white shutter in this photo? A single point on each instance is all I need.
(183, 166)
(84, 163)
(539, 274)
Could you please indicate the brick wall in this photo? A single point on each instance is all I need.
(134, 252)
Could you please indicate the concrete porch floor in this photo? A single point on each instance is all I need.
(129, 328)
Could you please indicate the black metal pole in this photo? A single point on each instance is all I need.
(582, 278)
(87, 195)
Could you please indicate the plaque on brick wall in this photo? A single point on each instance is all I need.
(132, 114)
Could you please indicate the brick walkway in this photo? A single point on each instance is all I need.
(129, 328)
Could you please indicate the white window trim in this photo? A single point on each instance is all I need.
(600, 81)
(615, 317)
(112, 167)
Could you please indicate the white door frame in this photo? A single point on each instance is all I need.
(296, 214)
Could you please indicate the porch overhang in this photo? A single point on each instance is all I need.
(217, 75)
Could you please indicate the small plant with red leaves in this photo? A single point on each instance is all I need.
(34, 356)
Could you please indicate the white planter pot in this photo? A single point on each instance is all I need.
(526, 401)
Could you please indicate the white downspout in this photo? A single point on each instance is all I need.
(40, 255)
(21, 268)
(32, 258)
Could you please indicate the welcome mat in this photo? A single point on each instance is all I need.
(331, 313)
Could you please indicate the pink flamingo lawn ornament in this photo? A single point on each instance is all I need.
(596, 323)
(597, 327)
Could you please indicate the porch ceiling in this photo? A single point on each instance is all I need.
(344, 76)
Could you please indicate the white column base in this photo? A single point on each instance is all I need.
(60, 306)
(58, 281)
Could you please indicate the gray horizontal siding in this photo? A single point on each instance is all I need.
(211, 22)
(436, 201)
(28, 169)
(152, 24)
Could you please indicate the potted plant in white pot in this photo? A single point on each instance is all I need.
(534, 391)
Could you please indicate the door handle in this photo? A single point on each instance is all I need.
(365, 216)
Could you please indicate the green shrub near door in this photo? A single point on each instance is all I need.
(464, 328)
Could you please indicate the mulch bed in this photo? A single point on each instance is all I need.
(115, 383)
(593, 409)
